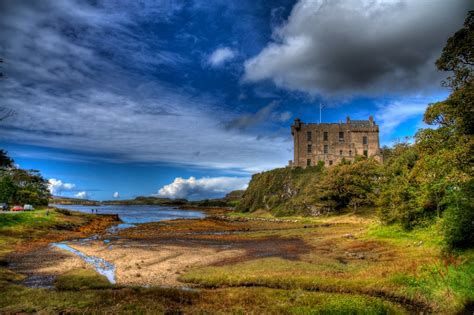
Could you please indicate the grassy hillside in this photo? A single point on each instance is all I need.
(285, 191)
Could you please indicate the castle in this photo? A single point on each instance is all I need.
(332, 142)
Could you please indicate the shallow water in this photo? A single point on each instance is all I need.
(102, 266)
(130, 216)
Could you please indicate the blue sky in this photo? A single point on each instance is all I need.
(189, 98)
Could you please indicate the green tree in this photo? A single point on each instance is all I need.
(458, 56)
(431, 178)
(18, 186)
(5, 160)
(351, 184)
(7, 189)
(398, 199)
(458, 224)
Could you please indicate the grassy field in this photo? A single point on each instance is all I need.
(350, 264)
(357, 255)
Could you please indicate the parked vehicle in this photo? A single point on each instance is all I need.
(17, 208)
(4, 206)
(28, 207)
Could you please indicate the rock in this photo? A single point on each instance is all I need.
(348, 235)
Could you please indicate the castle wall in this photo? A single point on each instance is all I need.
(342, 141)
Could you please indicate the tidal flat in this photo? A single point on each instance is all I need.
(234, 263)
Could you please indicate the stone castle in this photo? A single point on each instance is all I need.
(332, 142)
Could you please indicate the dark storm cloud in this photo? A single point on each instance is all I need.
(344, 48)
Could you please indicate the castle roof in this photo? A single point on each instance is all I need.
(361, 123)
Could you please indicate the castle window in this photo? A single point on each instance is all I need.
(364, 140)
(340, 152)
(330, 162)
(350, 152)
(341, 136)
(309, 136)
(366, 153)
(308, 162)
(325, 136)
(310, 148)
(326, 149)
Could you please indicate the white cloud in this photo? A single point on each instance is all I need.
(391, 115)
(282, 117)
(124, 117)
(116, 194)
(220, 56)
(359, 47)
(56, 186)
(206, 187)
(82, 195)
(167, 116)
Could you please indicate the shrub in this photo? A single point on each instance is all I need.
(458, 223)
(64, 211)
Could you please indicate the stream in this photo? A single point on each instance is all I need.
(130, 216)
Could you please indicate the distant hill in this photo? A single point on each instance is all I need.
(144, 200)
(230, 200)
(73, 201)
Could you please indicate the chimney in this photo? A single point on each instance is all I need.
(297, 124)
(371, 119)
(348, 119)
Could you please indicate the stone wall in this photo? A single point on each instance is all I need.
(331, 142)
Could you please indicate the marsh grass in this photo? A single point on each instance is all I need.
(354, 266)
(80, 279)
(375, 260)
(162, 300)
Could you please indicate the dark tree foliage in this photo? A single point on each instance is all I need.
(398, 190)
(351, 184)
(458, 56)
(18, 186)
(459, 217)
(5, 160)
(433, 177)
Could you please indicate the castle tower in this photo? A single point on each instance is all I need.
(332, 142)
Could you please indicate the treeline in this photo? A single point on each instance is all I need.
(429, 179)
(19, 186)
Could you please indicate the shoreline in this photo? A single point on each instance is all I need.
(47, 261)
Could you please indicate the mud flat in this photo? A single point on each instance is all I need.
(155, 254)
(348, 263)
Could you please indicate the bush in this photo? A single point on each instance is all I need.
(63, 211)
(458, 224)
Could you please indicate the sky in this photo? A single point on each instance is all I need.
(188, 99)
